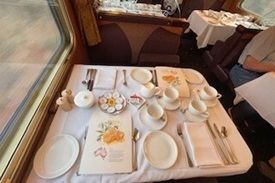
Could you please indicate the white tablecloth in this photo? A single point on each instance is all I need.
(260, 94)
(75, 121)
(208, 29)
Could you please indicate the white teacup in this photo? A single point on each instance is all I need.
(149, 89)
(154, 112)
(198, 107)
(209, 93)
(170, 94)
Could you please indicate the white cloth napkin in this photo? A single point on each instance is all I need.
(200, 146)
(105, 79)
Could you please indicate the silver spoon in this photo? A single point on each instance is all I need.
(224, 131)
(225, 135)
(136, 135)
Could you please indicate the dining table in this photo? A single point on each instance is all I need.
(211, 26)
(75, 122)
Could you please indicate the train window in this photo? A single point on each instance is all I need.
(264, 9)
(33, 41)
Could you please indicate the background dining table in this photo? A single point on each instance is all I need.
(75, 121)
(210, 26)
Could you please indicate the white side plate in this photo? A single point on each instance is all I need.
(141, 75)
(160, 150)
(192, 76)
(56, 156)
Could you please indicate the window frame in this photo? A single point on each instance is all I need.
(258, 17)
(32, 123)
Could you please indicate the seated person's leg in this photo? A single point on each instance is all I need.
(240, 76)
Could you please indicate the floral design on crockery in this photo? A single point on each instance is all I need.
(101, 151)
(171, 78)
(110, 133)
(111, 102)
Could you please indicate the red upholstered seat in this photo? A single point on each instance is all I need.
(160, 48)
(114, 48)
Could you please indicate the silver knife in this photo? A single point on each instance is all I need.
(92, 80)
(153, 77)
(218, 145)
(91, 71)
(156, 78)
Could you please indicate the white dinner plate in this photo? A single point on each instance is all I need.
(192, 76)
(193, 118)
(160, 149)
(153, 125)
(56, 156)
(169, 106)
(141, 75)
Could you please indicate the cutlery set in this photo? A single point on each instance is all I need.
(154, 77)
(89, 79)
(224, 148)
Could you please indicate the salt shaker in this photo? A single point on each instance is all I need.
(68, 94)
(64, 103)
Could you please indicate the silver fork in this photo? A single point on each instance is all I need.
(82, 148)
(179, 131)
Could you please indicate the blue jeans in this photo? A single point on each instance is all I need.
(240, 76)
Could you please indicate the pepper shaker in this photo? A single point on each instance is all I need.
(67, 93)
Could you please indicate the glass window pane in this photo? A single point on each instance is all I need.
(265, 9)
(29, 38)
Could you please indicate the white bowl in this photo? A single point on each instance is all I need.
(84, 99)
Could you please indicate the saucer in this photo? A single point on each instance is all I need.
(141, 75)
(169, 106)
(211, 103)
(193, 118)
(153, 125)
(193, 77)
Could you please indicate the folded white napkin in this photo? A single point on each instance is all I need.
(105, 79)
(200, 146)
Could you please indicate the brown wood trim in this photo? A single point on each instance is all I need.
(176, 30)
(143, 19)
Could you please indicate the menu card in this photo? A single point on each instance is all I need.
(108, 146)
(169, 76)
